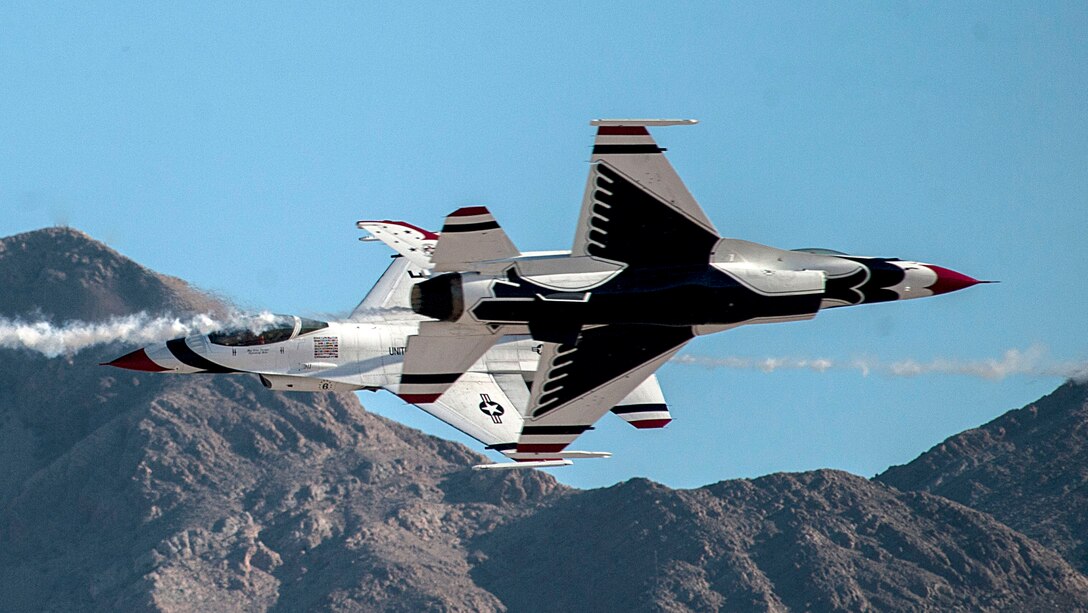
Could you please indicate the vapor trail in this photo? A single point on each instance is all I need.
(1032, 361)
(52, 340)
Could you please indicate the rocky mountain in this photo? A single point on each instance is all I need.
(215, 495)
(61, 273)
(126, 491)
(133, 491)
(1028, 468)
(816, 541)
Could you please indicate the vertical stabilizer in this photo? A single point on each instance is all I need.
(471, 235)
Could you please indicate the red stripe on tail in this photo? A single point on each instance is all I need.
(469, 211)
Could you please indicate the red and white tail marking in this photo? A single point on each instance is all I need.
(408, 240)
(469, 236)
(624, 152)
(645, 407)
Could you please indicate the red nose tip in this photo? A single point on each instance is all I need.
(949, 280)
(137, 360)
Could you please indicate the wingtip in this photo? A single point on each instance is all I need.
(523, 465)
(363, 223)
(643, 122)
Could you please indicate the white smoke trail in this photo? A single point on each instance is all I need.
(1032, 361)
(52, 340)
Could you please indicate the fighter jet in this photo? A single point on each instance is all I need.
(366, 352)
(647, 273)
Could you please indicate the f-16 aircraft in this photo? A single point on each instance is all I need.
(647, 273)
(366, 352)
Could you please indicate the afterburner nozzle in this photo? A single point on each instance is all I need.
(439, 297)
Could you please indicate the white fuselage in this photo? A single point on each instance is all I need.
(341, 356)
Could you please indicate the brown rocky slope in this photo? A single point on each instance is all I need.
(1028, 468)
(816, 541)
(131, 491)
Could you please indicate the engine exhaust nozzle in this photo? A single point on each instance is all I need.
(439, 297)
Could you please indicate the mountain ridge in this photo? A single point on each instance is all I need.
(64, 274)
(126, 491)
(1027, 467)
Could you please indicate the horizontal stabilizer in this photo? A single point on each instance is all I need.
(471, 235)
(645, 407)
(644, 416)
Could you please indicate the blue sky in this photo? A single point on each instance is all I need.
(235, 146)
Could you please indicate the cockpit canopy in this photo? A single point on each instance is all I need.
(263, 332)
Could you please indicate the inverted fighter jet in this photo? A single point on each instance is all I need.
(647, 273)
(366, 352)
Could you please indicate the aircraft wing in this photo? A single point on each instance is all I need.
(634, 200)
(471, 235)
(478, 405)
(438, 356)
(576, 384)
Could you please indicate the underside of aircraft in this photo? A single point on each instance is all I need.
(527, 351)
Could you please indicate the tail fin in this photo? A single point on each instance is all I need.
(392, 292)
(471, 235)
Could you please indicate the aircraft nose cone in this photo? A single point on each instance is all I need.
(949, 280)
(137, 360)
